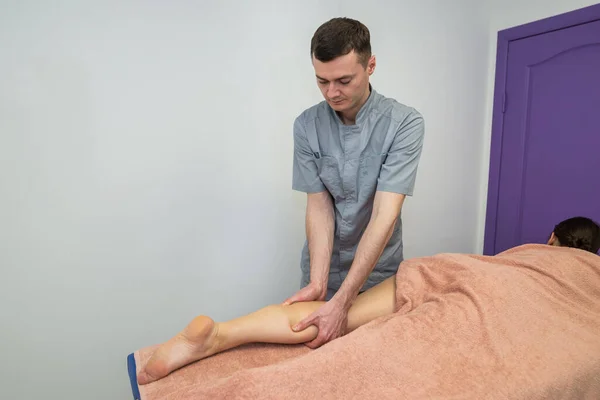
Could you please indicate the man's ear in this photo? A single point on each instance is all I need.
(371, 65)
(552, 239)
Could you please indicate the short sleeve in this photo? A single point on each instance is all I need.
(399, 170)
(305, 177)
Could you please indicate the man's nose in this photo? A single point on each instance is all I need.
(332, 90)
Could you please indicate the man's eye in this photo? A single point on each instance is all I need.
(345, 81)
(323, 82)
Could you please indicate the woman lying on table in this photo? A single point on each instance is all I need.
(273, 324)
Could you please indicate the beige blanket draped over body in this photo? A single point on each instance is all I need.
(524, 324)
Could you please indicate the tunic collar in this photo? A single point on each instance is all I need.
(364, 110)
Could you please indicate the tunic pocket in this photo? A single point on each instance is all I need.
(368, 173)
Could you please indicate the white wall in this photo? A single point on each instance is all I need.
(505, 14)
(145, 166)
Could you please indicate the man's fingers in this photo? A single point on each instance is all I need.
(315, 343)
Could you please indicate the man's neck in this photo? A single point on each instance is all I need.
(349, 117)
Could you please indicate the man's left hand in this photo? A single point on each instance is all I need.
(331, 319)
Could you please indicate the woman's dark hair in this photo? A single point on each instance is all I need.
(579, 232)
(338, 37)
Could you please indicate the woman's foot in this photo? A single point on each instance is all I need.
(195, 342)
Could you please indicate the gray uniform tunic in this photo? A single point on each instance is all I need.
(379, 153)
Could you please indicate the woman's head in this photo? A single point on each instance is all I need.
(579, 232)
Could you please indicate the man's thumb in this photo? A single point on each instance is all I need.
(290, 301)
(300, 326)
(298, 297)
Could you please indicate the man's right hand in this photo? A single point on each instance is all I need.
(311, 292)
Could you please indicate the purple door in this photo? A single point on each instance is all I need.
(548, 165)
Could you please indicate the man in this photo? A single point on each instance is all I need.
(356, 156)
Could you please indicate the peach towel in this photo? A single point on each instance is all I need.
(524, 324)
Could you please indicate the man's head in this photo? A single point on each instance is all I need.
(578, 232)
(341, 55)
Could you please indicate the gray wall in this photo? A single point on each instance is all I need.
(145, 166)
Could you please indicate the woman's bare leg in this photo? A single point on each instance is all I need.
(203, 337)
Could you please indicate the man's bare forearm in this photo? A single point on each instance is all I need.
(379, 230)
(369, 250)
(320, 225)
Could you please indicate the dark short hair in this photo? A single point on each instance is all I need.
(579, 232)
(338, 37)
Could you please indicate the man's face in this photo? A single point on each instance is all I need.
(343, 81)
